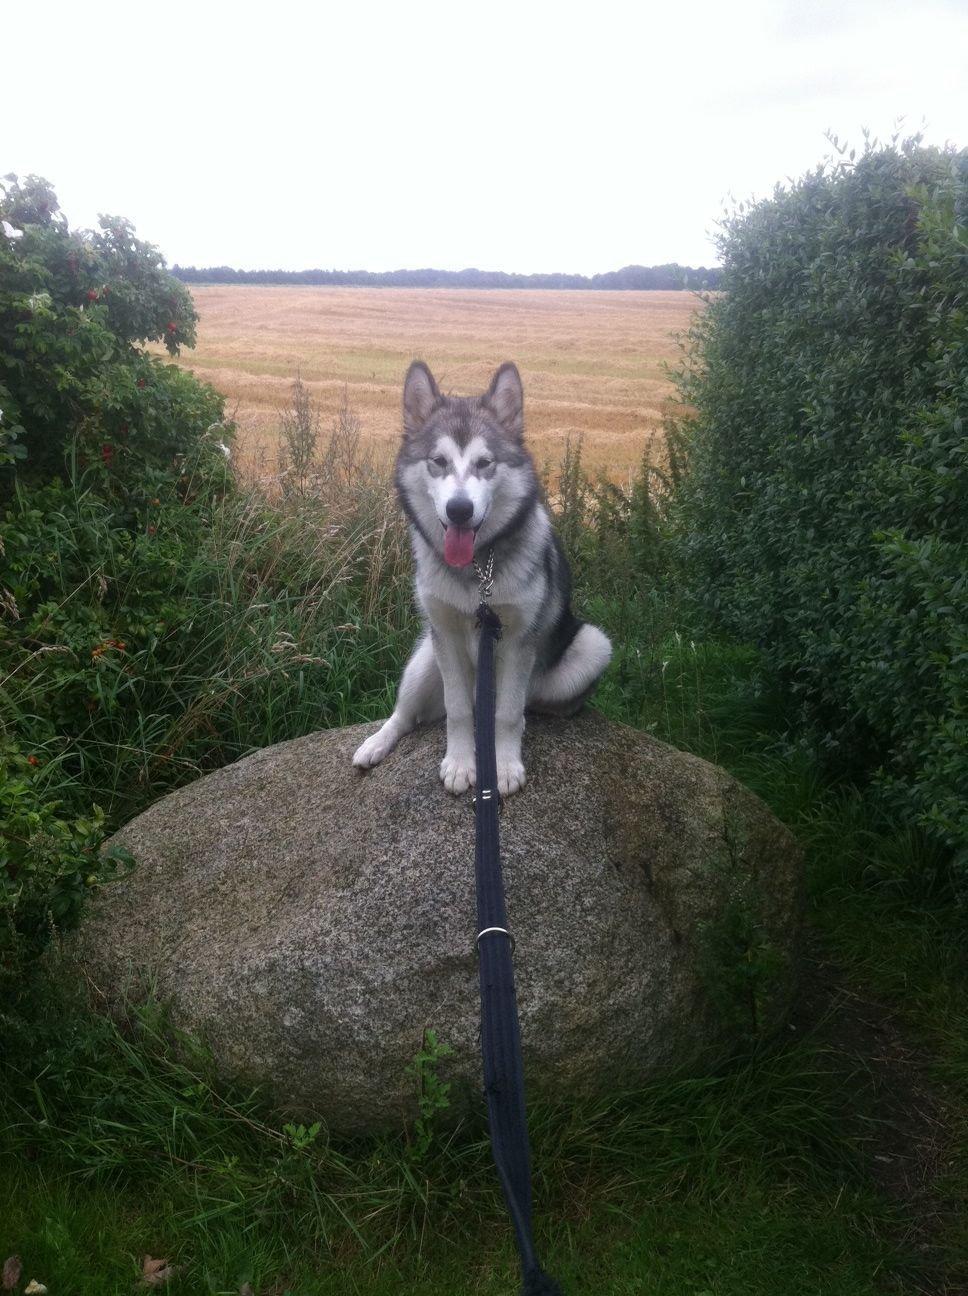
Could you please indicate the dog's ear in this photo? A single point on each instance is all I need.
(505, 399)
(420, 397)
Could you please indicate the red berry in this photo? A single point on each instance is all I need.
(172, 326)
(92, 294)
(107, 453)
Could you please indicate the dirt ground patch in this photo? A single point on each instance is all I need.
(593, 363)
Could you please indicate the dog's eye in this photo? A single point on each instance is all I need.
(439, 461)
(484, 463)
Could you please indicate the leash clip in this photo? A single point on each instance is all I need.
(486, 616)
(486, 577)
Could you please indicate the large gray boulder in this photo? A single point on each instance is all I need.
(310, 922)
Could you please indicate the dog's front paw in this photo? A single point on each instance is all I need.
(510, 775)
(377, 746)
(458, 772)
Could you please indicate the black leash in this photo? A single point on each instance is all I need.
(500, 1032)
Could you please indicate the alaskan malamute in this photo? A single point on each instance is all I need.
(468, 487)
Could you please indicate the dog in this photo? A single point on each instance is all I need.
(468, 487)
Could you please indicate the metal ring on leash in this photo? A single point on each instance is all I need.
(503, 931)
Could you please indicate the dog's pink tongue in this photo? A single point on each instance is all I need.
(459, 546)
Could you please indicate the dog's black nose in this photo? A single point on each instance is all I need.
(460, 509)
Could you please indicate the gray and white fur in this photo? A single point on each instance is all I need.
(468, 486)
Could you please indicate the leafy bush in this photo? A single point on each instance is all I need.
(48, 862)
(77, 392)
(135, 657)
(142, 658)
(104, 451)
(826, 511)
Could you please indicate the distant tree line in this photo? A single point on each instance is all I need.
(629, 277)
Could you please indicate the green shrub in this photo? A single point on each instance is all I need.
(136, 657)
(156, 621)
(826, 510)
(77, 392)
(48, 861)
(143, 657)
(106, 455)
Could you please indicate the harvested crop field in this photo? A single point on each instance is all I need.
(592, 362)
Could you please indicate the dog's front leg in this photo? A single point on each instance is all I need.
(458, 768)
(515, 663)
(418, 701)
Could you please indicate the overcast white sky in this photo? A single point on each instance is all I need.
(526, 136)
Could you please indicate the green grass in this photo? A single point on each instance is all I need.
(90, 1242)
(241, 626)
(118, 1141)
(121, 1143)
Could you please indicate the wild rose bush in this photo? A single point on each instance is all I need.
(77, 390)
(106, 453)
